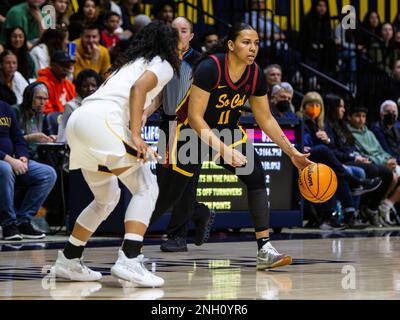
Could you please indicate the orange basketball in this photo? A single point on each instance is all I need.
(317, 183)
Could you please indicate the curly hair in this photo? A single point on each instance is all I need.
(155, 39)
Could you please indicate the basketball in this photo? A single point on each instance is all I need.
(317, 183)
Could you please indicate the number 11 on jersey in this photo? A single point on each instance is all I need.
(224, 117)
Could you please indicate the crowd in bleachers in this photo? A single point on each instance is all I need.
(46, 72)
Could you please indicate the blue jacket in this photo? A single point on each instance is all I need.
(12, 141)
(382, 133)
(341, 148)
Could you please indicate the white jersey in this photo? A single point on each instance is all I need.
(98, 132)
(117, 87)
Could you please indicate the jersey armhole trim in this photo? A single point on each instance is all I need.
(219, 70)
(255, 78)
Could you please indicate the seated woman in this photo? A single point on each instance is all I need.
(317, 142)
(50, 41)
(30, 116)
(11, 80)
(16, 42)
(86, 83)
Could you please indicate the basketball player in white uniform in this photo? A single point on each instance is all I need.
(106, 151)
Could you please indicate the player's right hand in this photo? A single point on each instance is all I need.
(234, 157)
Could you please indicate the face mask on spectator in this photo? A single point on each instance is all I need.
(283, 106)
(313, 110)
(389, 119)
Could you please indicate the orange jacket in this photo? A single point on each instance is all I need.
(60, 92)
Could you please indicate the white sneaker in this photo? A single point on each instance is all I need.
(73, 269)
(134, 271)
(268, 258)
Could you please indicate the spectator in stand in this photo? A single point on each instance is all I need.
(209, 40)
(30, 116)
(109, 6)
(60, 89)
(318, 47)
(87, 14)
(130, 9)
(372, 24)
(263, 23)
(17, 170)
(61, 6)
(109, 37)
(50, 41)
(392, 91)
(164, 10)
(86, 83)
(16, 42)
(10, 77)
(281, 101)
(273, 74)
(90, 54)
(28, 16)
(385, 130)
(383, 53)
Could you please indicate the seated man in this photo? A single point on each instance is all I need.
(281, 101)
(15, 169)
(90, 54)
(385, 130)
(60, 89)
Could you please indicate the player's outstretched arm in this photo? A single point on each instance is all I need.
(270, 126)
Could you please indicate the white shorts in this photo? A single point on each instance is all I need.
(98, 137)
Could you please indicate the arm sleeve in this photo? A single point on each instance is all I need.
(206, 75)
(20, 146)
(163, 71)
(261, 84)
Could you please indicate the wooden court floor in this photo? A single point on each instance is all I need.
(331, 268)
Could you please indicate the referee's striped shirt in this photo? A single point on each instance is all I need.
(176, 90)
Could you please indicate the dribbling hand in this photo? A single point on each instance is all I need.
(234, 157)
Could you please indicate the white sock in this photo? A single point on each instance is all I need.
(76, 242)
(133, 237)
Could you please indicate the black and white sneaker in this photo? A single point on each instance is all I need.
(366, 185)
(29, 232)
(11, 232)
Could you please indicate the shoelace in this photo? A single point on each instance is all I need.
(270, 249)
(83, 267)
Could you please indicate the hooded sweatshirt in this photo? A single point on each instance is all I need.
(370, 146)
(59, 91)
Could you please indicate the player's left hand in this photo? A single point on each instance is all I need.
(300, 160)
(144, 151)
